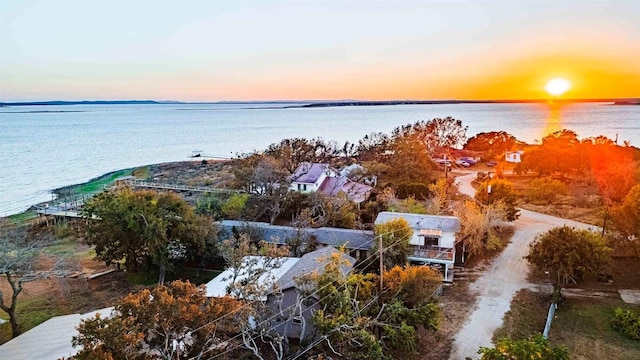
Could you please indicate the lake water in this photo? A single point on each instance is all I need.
(45, 147)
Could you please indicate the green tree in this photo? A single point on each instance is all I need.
(536, 347)
(396, 235)
(210, 204)
(146, 324)
(499, 190)
(626, 219)
(569, 252)
(233, 207)
(134, 225)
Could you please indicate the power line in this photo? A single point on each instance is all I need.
(306, 297)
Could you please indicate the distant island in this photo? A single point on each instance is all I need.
(627, 102)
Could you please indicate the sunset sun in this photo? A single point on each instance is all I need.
(557, 86)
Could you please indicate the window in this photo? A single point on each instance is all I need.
(297, 320)
(431, 241)
(304, 187)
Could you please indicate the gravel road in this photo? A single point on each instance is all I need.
(502, 279)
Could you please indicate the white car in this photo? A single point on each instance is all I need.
(462, 163)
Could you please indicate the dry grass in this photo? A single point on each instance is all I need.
(456, 307)
(582, 325)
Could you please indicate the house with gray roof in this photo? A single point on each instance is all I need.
(433, 240)
(291, 301)
(357, 242)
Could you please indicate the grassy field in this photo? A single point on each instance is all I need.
(95, 185)
(582, 325)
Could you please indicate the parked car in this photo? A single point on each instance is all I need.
(492, 163)
(469, 161)
(462, 163)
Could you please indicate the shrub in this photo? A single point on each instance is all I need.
(536, 347)
(545, 190)
(627, 322)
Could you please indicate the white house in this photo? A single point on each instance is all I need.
(311, 177)
(433, 240)
(513, 156)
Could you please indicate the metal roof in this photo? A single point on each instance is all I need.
(49, 340)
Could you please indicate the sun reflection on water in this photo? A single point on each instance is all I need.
(553, 121)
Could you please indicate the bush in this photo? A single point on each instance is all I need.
(627, 322)
(545, 190)
(536, 347)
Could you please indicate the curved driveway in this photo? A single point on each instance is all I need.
(505, 276)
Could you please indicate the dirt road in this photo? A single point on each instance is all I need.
(504, 277)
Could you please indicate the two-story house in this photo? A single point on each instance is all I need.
(433, 239)
(311, 177)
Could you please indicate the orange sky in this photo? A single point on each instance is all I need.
(276, 50)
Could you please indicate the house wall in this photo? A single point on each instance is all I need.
(286, 310)
(294, 187)
(447, 240)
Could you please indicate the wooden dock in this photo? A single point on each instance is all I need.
(176, 187)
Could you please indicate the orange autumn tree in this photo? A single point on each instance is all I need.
(413, 285)
(145, 325)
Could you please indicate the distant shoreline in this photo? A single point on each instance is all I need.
(323, 103)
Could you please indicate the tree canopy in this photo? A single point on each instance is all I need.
(354, 323)
(134, 225)
(499, 190)
(145, 325)
(396, 235)
(626, 218)
(570, 252)
(492, 143)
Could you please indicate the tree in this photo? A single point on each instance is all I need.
(499, 190)
(233, 207)
(413, 285)
(293, 152)
(134, 225)
(441, 133)
(357, 320)
(396, 235)
(16, 264)
(268, 176)
(166, 322)
(478, 226)
(334, 211)
(569, 252)
(491, 144)
(626, 218)
(248, 262)
(536, 347)
(373, 147)
(559, 152)
(545, 190)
